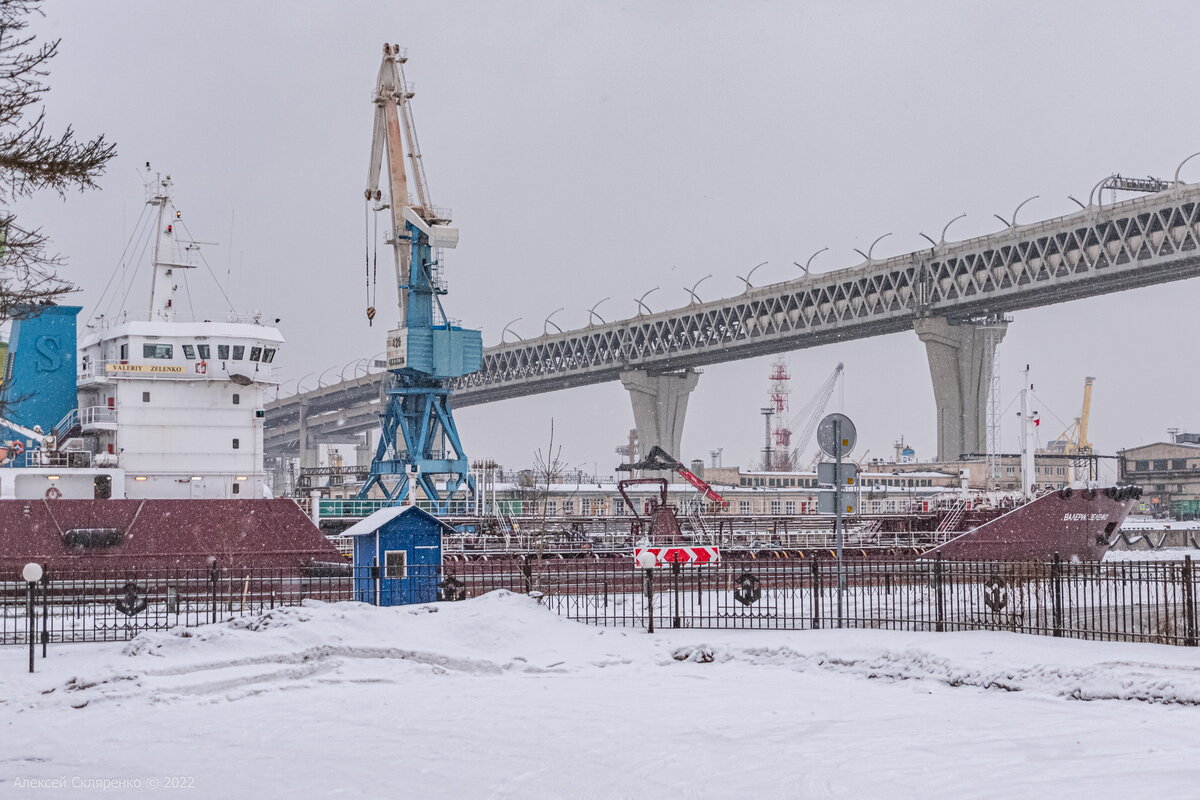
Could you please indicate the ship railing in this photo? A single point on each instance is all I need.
(358, 509)
(96, 415)
(104, 322)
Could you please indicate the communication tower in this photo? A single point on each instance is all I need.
(779, 458)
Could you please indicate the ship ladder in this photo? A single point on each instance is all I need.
(953, 518)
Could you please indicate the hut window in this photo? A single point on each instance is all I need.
(395, 564)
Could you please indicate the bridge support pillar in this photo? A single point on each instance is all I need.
(960, 362)
(364, 450)
(310, 450)
(659, 406)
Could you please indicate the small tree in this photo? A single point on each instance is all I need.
(33, 159)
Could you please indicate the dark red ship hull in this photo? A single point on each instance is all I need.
(1075, 524)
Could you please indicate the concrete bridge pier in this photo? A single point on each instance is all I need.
(659, 406)
(310, 449)
(960, 356)
(364, 450)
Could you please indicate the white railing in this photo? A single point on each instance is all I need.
(95, 415)
(105, 322)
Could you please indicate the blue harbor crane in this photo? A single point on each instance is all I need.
(420, 455)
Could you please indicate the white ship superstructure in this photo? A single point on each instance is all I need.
(170, 405)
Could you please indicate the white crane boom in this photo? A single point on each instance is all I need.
(807, 419)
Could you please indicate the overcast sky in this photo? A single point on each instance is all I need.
(595, 150)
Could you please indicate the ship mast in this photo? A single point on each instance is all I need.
(163, 286)
(1028, 475)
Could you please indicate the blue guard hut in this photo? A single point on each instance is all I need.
(397, 556)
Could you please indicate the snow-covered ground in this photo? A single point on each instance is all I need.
(498, 697)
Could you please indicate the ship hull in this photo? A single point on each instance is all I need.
(1073, 524)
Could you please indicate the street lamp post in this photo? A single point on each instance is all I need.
(32, 573)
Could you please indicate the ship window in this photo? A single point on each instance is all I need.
(268, 355)
(237, 443)
(236, 487)
(204, 351)
(156, 350)
(255, 353)
(239, 352)
(145, 397)
(237, 398)
(222, 351)
(189, 351)
(125, 352)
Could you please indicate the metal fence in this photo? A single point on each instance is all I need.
(1118, 601)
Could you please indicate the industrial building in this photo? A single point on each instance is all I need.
(1168, 472)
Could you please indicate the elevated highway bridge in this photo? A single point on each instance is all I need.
(953, 295)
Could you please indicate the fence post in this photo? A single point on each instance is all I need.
(45, 611)
(1056, 593)
(816, 593)
(650, 600)
(940, 605)
(212, 589)
(677, 571)
(1189, 604)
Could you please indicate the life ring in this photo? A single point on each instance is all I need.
(17, 447)
(53, 493)
(201, 367)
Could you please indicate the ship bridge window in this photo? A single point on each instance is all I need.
(268, 355)
(189, 351)
(204, 351)
(255, 353)
(223, 351)
(239, 352)
(125, 352)
(156, 350)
